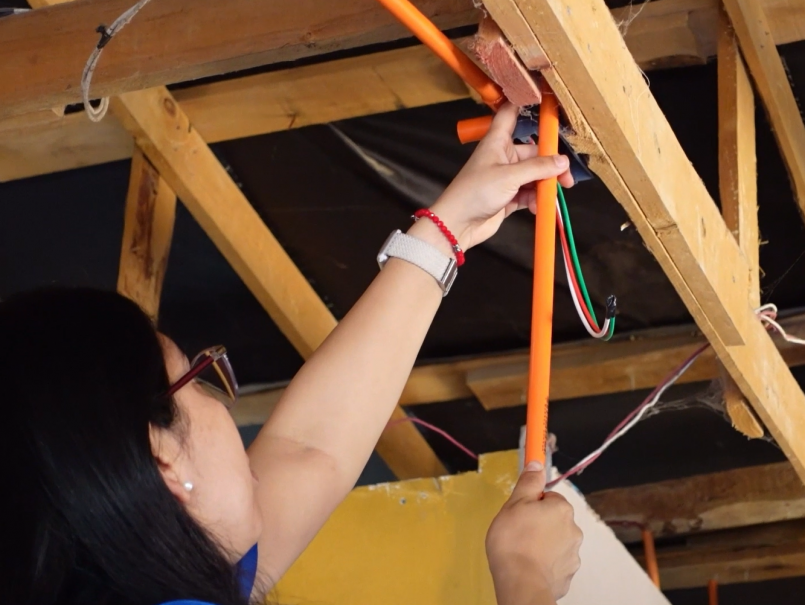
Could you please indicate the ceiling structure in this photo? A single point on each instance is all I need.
(336, 150)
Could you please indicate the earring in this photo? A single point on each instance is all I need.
(188, 486)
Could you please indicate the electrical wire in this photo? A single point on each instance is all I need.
(634, 417)
(575, 277)
(97, 114)
(585, 314)
(437, 430)
(768, 315)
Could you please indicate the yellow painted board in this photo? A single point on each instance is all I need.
(419, 541)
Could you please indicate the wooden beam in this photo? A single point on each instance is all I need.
(158, 48)
(168, 43)
(163, 131)
(147, 233)
(640, 360)
(737, 167)
(726, 500)
(671, 33)
(317, 93)
(634, 151)
(587, 368)
(664, 32)
(755, 554)
(754, 34)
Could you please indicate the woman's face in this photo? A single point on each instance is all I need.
(208, 453)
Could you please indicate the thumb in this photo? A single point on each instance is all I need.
(531, 484)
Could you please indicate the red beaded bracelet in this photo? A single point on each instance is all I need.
(425, 213)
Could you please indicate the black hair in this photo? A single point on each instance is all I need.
(91, 521)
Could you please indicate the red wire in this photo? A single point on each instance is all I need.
(436, 429)
(574, 283)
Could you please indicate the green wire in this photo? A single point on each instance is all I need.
(572, 245)
(574, 256)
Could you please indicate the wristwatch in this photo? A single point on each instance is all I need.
(428, 258)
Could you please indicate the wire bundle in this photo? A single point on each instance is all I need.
(575, 278)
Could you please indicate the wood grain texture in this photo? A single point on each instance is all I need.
(642, 163)
(704, 503)
(39, 143)
(493, 51)
(737, 169)
(147, 233)
(758, 45)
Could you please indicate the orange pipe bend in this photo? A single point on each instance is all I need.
(539, 370)
(432, 37)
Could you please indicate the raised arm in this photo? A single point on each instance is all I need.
(312, 450)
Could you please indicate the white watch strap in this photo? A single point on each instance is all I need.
(417, 252)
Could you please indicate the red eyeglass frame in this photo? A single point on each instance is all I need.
(214, 356)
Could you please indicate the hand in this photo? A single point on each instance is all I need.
(533, 544)
(497, 180)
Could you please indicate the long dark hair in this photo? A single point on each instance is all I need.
(91, 520)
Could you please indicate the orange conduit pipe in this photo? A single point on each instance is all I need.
(432, 37)
(545, 245)
(539, 365)
(712, 591)
(652, 568)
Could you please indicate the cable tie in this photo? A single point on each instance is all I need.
(105, 36)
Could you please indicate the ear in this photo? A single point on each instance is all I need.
(171, 461)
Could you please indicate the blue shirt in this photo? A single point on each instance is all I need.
(247, 572)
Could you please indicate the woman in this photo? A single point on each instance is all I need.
(128, 480)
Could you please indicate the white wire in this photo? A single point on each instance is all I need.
(767, 307)
(97, 114)
(783, 333)
(639, 416)
(590, 330)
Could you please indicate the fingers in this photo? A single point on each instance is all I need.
(527, 152)
(535, 169)
(531, 484)
(504, 122)
(566, 180)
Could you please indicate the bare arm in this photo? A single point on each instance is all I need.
(313, 448)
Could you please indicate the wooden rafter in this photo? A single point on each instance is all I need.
(159, 48)
(639, 360)
(152, 51)
(727, 500)
(753, 31)
(635, 152)
(737, 167)
(754, 554)
(147, 233)
(664, 32)
(164, 133)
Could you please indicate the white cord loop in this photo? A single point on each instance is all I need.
(96, 114)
